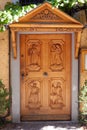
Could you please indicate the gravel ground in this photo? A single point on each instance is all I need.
(53, 125)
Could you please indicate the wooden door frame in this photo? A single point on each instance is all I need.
(15, 79)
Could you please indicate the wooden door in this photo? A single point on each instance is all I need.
(45, 73)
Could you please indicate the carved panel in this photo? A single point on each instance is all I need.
(46, 15)
(56, 54)
(35, 29)
(57, 93)
(33, 93)
(33, 55)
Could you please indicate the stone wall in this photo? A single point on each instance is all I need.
(4, 58)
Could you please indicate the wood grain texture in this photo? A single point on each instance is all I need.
(45, 76)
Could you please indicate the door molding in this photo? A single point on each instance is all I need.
(15, 80)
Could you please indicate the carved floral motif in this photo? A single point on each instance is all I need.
(56, 55)
(35, 29)
(66, 29)
(24, 29)
(46, 15)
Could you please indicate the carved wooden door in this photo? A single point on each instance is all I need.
(45, 71)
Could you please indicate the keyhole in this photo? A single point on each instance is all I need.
(45, 74)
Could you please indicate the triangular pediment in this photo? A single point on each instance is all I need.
(45, 13)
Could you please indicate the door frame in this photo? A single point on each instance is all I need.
(15, 79)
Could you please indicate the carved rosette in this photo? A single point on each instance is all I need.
(56, 54)
(33, 93)
(33, 55)
(56, 100)
(46, 14)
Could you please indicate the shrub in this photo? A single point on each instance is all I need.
(4, 102)
(83, 104)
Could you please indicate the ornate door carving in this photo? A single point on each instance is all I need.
(45, 73)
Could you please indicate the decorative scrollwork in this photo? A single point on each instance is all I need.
(62, 29)
(46, 15)
(24, 29)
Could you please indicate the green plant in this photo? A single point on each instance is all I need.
(12, 12)
(4, 102)
(69, 6)
(83, 103)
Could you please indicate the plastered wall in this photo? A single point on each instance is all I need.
(4, 58)
(2, 3)
(83, 73)
(4, 51)
(82, 17)
(84, 38)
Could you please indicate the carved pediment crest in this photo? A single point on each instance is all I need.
(46, 14)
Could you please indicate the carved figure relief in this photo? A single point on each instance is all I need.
(34, 94)
(46, 15)
(56, 55)
(33, 55)
(56, 95)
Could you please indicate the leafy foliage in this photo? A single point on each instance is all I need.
(83, 102)
(70, 6)
(4, 100)
(12, 12)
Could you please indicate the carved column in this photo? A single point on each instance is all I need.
(77, 44)
(14, 45)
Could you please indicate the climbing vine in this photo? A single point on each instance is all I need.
(12, 12)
